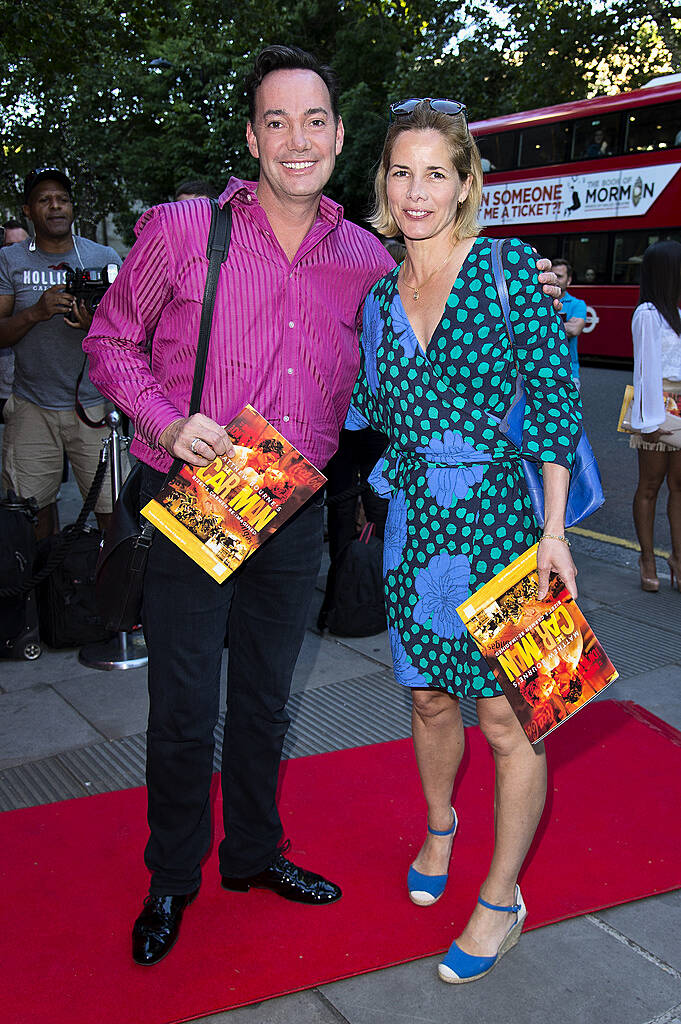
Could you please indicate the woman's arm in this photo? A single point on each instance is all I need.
(554, 554)
(647, 410)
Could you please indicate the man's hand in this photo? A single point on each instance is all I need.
(53, 301)
(574, 326)
(79, 316)
(210, 439)
(548, 279)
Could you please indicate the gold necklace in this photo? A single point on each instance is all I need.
(417, 290)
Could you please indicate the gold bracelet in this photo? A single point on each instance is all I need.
(554, 536)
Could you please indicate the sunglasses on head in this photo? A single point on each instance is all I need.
(406, 107)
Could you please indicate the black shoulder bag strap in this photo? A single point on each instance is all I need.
(217, 251)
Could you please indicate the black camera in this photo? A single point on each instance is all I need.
(90, 283)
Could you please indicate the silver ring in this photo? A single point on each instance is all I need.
(197, 440)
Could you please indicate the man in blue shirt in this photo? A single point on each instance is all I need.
(574, 312)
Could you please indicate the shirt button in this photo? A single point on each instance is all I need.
(290, 369)
(286, 419)
(291, 323)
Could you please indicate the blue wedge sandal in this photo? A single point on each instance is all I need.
(459, 967)
(424, 890)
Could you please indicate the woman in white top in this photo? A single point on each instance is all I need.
(656, 330)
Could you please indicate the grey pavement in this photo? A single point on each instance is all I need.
(67, 730)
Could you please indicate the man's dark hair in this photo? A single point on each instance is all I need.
(271, 444)
(560, 262)
(13, 224)
(661, 280)
(289, 58)
(197, 187)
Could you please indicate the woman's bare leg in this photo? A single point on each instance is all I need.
(520, 791)
(438, 743)
(652, 469)
(674, 504)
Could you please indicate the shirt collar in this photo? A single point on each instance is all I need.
(245, 192)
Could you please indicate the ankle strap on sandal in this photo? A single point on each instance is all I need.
(449, 831)
(492, 906)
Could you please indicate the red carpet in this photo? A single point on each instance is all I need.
(73, 879)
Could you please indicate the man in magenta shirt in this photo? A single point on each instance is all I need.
(284, 339)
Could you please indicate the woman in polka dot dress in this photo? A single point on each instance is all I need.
(438, 374)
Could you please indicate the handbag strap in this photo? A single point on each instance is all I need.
(217, 250)
(501, 285)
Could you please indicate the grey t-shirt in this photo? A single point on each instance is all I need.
(48, 359)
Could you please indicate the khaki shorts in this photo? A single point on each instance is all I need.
(33, 449)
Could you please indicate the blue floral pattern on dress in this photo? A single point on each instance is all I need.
(371, 337)
(402, 329)
(441, 587)
(445, 484)
(379, 481)
(354, 420)
(405, 672)
(451, 448)
(395, 536)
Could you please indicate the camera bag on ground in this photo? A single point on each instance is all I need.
(357, 603)
(66, 599)
(19, 637)
(64, 619)
(123, 556)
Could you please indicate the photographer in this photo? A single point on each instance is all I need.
(45, 326)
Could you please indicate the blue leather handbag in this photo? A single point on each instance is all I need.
(586, 490)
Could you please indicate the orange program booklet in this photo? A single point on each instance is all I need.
(221, 513)
(544, 654)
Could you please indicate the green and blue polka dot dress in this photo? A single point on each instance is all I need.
(459, 510)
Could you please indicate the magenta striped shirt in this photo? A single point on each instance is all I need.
(284, 335)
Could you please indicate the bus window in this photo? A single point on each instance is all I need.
(546, 144)
(596, 137)
(629, 249)
(651, 128)
(498, 151)
(548, 246)
(588, 255)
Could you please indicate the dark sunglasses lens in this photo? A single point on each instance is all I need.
(448, 107)
(405, 107)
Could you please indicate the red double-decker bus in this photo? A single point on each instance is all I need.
(595, 181)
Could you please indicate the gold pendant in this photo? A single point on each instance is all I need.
(416, 295)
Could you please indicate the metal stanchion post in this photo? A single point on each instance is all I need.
(125, 650)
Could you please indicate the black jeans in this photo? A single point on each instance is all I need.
(185, 615)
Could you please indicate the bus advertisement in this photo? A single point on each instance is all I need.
(595, 182)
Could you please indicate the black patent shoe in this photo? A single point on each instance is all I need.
(156, 929)
(289, 881)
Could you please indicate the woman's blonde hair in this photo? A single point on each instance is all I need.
(465, 159)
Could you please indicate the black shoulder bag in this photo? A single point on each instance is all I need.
(125, 547)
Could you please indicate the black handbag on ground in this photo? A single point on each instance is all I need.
(357, 601)
(66, 598)
(125, 548)
(18, 612)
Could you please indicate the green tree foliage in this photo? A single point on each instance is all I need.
(131, 98)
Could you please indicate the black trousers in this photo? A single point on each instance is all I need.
(185, 615)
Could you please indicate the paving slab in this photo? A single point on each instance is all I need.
(38, 722)
(116, 703)
(323, 659)
(302, 1008)
(570, 973)
(375, 647)
(653, 923)
(51, 666)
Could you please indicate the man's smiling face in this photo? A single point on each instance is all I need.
(294, 136)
